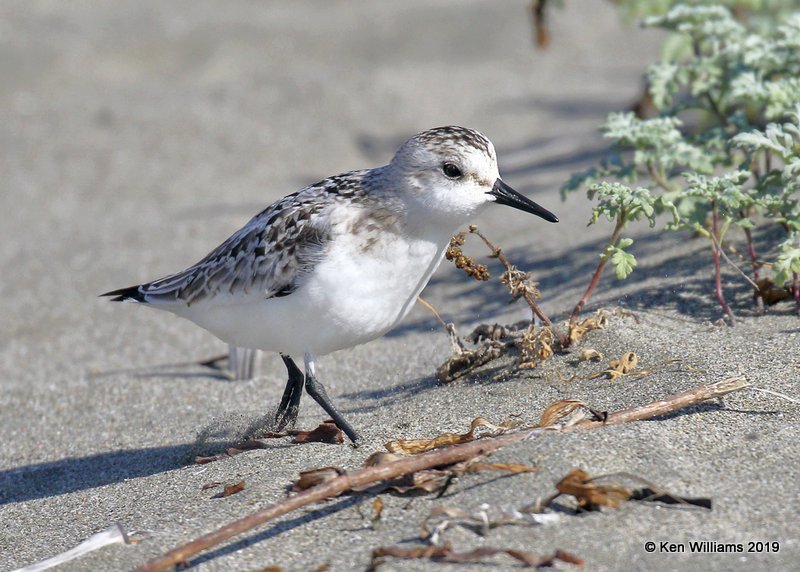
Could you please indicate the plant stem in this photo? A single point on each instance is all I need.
(367, 476)
(576, 312)
(498, 252)
(712, 103)
(659, 178)
(716, 247)
(727, 258)
(751, 250)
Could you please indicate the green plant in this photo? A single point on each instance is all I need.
(619, 204)
(724, 149)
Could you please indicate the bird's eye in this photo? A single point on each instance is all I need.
(451, 170)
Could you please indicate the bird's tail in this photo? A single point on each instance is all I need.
(130, 294)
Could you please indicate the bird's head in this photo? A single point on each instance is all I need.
(452, 172)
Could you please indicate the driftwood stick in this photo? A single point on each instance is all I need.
(453, 454)
(670, 404)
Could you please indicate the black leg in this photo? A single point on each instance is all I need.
(317, 391)
(286, 415)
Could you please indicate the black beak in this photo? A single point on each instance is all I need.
(505, 195)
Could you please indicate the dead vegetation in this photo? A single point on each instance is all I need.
(422, 467)
(531, 344)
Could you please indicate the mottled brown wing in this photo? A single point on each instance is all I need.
(267, 257)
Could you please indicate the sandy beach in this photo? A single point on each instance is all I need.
(136, 136)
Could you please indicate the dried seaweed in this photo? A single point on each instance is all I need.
(592, 494)
(589, 354)
(315, 477)
(468, 360)
(567, 412)
(382, 471)
(596, 322)
(416, 446)
(437, 478)
(479, 521)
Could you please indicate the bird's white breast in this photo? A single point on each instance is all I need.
(370, 278)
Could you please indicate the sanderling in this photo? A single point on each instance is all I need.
(340, 262)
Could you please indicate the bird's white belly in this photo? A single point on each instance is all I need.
(362, 293)
(354, 295)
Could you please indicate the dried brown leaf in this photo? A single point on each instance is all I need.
(415, 446)
(620, 367)
(589, 354)
(211, 485)
(326, 432)
(591, 495)
(409, 553)
(563, 411)
(377, 510)
(772, 294)
(596, 322)
(315, 477)
(424, 481)
(437, 479)
(231, 489)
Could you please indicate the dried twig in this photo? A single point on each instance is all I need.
(525, 293)
(446, 456)
(541, 33)
(456, 341)
(670, 404)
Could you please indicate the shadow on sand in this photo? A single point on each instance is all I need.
(54, 478)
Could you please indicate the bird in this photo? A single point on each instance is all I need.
(340, 262)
